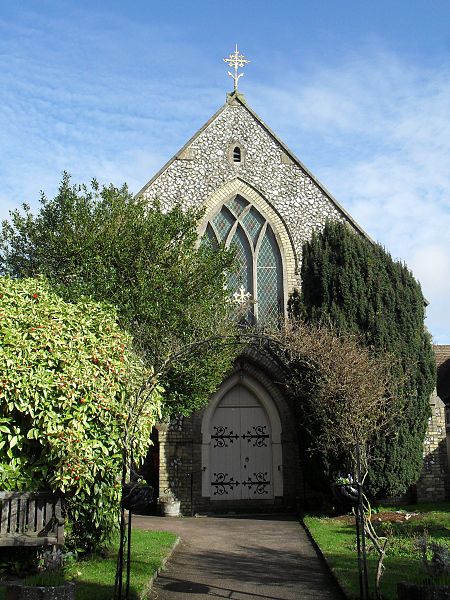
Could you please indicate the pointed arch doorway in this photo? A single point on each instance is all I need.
(241, 449)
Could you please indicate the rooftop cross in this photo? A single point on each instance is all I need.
(236, 60)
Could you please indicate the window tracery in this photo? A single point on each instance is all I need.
(239, 225)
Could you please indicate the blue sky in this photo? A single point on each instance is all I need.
(360, 91)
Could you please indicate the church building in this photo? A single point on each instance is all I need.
(241, 452)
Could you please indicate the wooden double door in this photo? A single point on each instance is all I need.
(241, 448)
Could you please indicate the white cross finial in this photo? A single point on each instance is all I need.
(236, 60)
(242, 298)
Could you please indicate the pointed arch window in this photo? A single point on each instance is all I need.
(243, 277)
(258, 280)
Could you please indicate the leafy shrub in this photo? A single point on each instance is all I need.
(102, 242)
(68, 375)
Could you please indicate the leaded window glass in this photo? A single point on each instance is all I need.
(237, 205)
(222, 223)
(259, 276)
(210, 237)
(269, 283)
(244, 259)
(253, 223)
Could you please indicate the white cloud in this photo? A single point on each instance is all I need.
(433, 261)
(380, 129)
(374, 129)
(87, 92)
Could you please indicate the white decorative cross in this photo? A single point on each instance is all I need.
(242, 298)
(236, 60)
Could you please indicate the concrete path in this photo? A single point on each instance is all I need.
(240, 558)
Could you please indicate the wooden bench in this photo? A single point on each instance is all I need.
(31, 519)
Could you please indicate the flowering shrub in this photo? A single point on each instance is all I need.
(68, 378)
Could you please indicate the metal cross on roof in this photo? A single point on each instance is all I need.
(236, 60)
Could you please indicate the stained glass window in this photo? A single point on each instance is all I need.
(269, 279)
(223, 222)
(237, 205)
(253, 223)
(260, 267)
(210, 237)
(243, 277)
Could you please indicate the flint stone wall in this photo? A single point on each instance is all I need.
(205, 165)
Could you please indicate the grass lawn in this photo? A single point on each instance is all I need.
(336, 538)
(96, 575)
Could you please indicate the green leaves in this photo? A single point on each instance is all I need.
(4, 428)
(62, 412)
(356, 287)
(102, 243)
(118, 264)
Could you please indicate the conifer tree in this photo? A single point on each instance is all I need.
(355, 286)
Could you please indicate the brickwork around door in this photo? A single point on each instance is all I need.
(433, 481)
(181, 455)
(181, 459)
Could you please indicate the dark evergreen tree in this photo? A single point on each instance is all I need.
(355, 286)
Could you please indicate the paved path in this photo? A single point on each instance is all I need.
(265, 557)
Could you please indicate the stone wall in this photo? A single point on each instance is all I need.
(203, 174)
(432, 483)
(203, 167)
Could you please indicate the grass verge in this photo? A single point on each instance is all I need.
(95, 575)
(337, 541)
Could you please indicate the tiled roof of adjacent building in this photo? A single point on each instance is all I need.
(442, 355)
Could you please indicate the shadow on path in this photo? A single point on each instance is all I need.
(241, 557)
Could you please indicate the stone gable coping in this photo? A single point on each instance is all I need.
(297, 200)
(307, 172)
(182, 150)
(287, 157)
